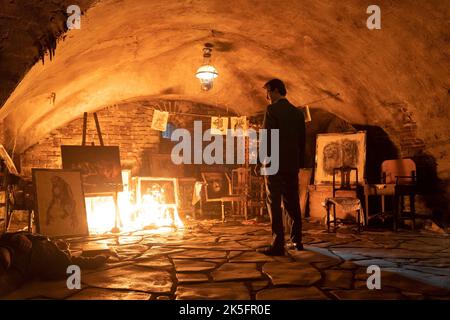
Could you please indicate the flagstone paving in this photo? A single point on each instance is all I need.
(214, 260)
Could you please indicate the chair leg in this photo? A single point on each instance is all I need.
(413, 210)
(223, 211)
(394, 212)
(245, 210)
(328, 217)
(359, 221)
(335, 220)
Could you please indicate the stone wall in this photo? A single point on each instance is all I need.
(126, 126)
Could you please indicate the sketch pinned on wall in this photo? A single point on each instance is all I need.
(219, 125)
(239, 126)
(159, 120)
(334, 150)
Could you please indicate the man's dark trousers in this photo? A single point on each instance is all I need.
(283, 186)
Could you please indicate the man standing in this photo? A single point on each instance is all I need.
(290, 122)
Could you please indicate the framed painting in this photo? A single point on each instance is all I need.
(161, 190)
(218, 185)
(99, 165)
(59, 203)
(334, 150)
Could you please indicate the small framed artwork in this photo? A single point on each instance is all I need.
(59, 203)
(218, 185)
(334, 150)
(161, 190)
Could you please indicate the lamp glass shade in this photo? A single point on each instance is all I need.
(207, 72)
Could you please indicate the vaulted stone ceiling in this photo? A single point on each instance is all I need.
(139, 49)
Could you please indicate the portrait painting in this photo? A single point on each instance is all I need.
(99, 165)
(59, 203)
(159, 120)
(219, 125)
(217, 185)
(334, 150)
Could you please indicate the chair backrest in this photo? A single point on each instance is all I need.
(345, 179)
(240, 180)
(401, 171)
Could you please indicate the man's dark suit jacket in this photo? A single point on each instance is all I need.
(290, 121)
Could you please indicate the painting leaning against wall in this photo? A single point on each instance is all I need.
(334, 150)
(60, 205)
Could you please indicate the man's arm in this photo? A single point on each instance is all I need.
(302, 139)
(269, 123)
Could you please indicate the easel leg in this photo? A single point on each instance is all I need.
(116, 228)
(223, 211)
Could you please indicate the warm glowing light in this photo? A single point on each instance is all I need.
(207, 73)
(151, 212)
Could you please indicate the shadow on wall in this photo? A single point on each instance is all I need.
(435, 192)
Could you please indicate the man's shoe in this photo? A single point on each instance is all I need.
(272, 251)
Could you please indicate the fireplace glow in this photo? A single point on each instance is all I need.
(150, 212)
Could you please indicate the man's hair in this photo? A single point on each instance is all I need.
(276, 84)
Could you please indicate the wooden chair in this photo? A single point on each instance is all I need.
(218, 188)
(240, 185)
(399, 176)
(347, 204)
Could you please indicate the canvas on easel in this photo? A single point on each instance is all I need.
(99, 165)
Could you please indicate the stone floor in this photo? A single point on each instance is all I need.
(214, 260)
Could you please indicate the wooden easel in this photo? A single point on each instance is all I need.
(117, 221)
(97, 125)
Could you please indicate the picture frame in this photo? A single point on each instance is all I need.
(335, 150)
(164, 189)
(218, 185)
(60, 207)
(99, 165)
